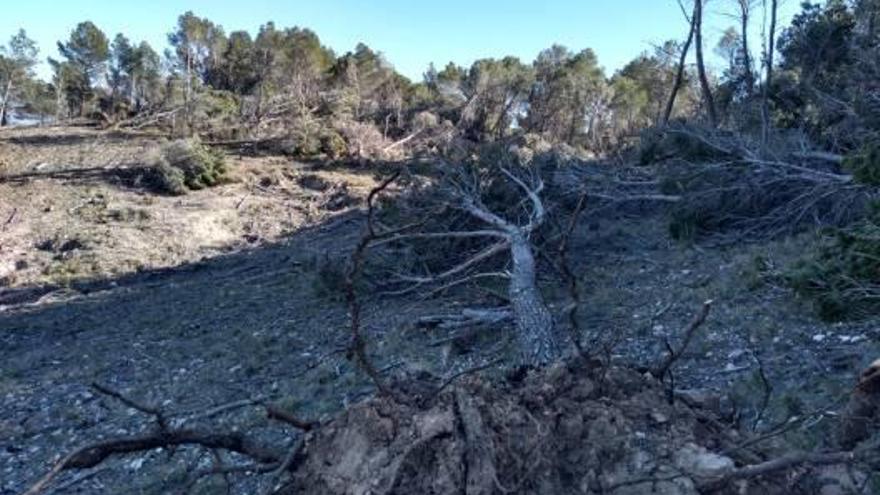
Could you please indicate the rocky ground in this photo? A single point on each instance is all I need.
(228, 294)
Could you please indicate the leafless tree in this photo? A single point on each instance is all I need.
(701, 66)
(745, 12)
(768, 79)
(679, 76)
(460, 190)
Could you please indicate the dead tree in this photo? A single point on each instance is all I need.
(460, 192)
(534, 323)
(701, 66)
(679, 75)
(768, 78)
(745, 11)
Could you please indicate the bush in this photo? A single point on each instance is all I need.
(216, 114)
(333, 144)
(841, 275)
(304, 140)
(364, 141)
(186, 164)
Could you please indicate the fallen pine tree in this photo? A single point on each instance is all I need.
(570, 425)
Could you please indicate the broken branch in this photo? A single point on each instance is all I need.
(674, 354)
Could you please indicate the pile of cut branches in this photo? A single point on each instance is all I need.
(747, 193)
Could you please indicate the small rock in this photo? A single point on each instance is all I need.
(701, 463)
(736, 354)
(136, 464)
(659, 417)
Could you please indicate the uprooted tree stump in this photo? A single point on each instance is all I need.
(567, 429)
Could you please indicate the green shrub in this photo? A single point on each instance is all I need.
(166, 179)
(864, 164)
(216, 114)
(186, 164)
(841, 274)
(333, 144)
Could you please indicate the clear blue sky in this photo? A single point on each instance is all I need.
(411, 33)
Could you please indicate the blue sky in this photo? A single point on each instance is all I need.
(411, 33)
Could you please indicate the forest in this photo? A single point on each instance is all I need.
(248, 263)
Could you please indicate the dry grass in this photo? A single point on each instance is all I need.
(84, 186)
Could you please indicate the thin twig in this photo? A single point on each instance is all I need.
(275, 412)
(153, 411)
(468, 371)
(674, 354)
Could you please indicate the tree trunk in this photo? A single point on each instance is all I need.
(576, 117)
(132, 93)
(679, 76)
(701, 67)
(59, 103)
(187, 96)
(747, 58)
(534, 323)
(4, 106)
(768, 59)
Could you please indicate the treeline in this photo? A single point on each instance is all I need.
(283, 82)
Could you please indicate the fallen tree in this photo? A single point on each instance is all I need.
(488, 234)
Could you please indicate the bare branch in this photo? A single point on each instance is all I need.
(792, 461)
(357, 349)
(438, 235)
(674, 354)
(275, 412)
(461, 267)
(153, 411)
(93, 454)
(538, 212)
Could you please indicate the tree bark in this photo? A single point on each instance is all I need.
(534, 323)
(679, 76)
(701, 66)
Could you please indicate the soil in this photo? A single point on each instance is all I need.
(223, 294)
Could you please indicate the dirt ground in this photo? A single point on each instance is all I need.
(219, 296)
(72, 208)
